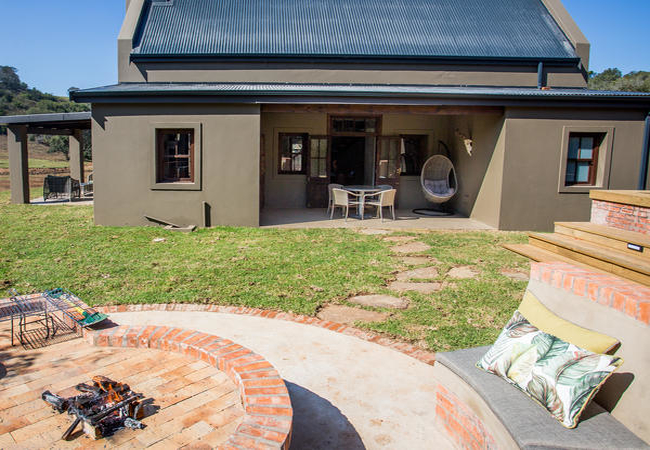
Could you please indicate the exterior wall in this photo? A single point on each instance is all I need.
(286, 191)
(534, 138)
(395, 73)
(123, 155)
(480, 176)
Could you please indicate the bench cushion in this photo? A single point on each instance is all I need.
(529, 424)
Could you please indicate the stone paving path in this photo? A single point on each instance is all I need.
(380, 301)
(348, 315)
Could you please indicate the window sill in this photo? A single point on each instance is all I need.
(176, 186)
(581, 189)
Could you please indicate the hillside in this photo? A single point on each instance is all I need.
(17, 98)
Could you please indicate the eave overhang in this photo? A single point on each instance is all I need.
(269, 93)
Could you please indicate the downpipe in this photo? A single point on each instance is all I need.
(643, 175)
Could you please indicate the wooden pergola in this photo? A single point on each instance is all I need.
(18, 129)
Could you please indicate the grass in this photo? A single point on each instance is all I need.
(289, 270)
(35, 163)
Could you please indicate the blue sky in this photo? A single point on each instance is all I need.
(59, 44)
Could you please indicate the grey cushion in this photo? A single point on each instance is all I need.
(530, 425)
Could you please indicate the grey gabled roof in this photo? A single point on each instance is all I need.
(474, 29)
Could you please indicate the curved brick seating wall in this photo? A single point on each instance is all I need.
(594, 300)
(269, 415)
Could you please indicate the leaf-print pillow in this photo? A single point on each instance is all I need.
(560, 376)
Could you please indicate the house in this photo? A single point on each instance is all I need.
(226, 107)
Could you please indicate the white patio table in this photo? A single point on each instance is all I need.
(363, 191)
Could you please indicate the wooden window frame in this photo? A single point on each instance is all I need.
(160, 155)
(304, 154)
(593, 161)
(332, 117)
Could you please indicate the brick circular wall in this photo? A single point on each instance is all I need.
(268, 416)
(411, 350)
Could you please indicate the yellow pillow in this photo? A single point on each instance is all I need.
(544, 319)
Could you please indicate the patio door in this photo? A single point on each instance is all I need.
(387, 162)
(318, 171)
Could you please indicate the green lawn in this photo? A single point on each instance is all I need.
(37, 164)
(290, 270)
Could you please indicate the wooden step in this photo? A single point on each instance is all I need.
(615, 238)
(634, 198)
(607, 259)
(540, 255)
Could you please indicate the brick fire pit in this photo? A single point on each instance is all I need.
(207, 391)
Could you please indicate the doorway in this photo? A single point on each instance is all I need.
(348, 160)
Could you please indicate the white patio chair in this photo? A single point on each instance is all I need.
(386, 199)
(342, 198)
(330, 198)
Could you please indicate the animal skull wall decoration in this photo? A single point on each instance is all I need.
(467, 141)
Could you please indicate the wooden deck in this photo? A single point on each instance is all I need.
(193, 402)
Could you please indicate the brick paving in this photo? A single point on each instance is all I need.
(194, 402)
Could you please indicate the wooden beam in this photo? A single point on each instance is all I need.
(383, 109)
(50, 131)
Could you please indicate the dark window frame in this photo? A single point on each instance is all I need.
(354, 117)
(160, 155)
(422, 152)
(303, 154)
(598, 139)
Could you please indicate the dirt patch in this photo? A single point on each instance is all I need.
(411, 247)
(372, 231)
(423, 273)
(349, 315)
(380, 301)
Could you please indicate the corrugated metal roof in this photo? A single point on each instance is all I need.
(49, 118)
(494, 29)
(289, 89)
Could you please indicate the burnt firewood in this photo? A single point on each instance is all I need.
(59, 403)
(101, 409)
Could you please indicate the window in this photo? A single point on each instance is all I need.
(175, 155)
(582, 158)
(318, 157)
(292, 153)
(413, 154)
(354, 125)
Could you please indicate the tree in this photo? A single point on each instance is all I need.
(613, 80)
(9, 79)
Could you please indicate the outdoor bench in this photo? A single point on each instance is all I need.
(482, 410)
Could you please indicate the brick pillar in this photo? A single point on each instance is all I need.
(76, 156)
(18, 169)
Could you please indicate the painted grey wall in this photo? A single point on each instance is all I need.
(530, 197)
(123, 156)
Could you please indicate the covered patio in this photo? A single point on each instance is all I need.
(406, 221)
(18, 130)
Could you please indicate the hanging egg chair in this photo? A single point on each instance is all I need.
(439, 184)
